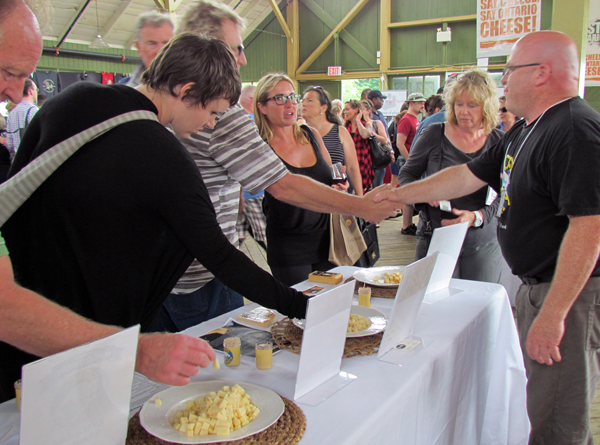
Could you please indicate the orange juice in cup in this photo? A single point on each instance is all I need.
(231, 346)
(364, 296)
(264, 355)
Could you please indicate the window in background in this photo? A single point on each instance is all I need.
(430, 85)
(399, 83)
(351, 88)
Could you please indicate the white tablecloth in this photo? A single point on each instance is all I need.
(466, 387)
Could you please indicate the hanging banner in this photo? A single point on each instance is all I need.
(592, 58)
(500, 23)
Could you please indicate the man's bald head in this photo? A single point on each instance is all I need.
(543, 69)
(554, 48)
(20, 48)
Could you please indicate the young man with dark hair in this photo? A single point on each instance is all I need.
(110, 232)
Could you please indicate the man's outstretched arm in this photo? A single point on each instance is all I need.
(452, 182)
(41, 327)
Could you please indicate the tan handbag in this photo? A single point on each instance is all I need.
(346, 243)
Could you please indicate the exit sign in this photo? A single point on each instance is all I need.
(334, 71)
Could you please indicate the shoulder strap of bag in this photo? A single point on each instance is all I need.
(27, 117)
(16, 190)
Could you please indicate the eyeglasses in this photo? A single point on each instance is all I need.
(474, 78)
(503, 110)
(510, 68)
(280, 99)
(240, 48)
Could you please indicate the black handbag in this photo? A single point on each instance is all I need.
(380, 155)
(369, 233)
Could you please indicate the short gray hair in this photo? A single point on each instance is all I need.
(206, 17)
(153, 19)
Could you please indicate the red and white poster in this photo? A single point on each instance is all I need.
(500, 23)
(592, 58)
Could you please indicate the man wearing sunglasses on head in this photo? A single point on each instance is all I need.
(233, 154)
(546, 172)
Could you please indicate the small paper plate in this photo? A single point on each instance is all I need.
(368, 275)
(377, 319)
(158, 419)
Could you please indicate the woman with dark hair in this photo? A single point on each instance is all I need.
(469, 130)
(316, 110)
(360, 131)
(297, 239)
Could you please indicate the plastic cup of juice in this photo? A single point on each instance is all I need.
(231, 346)
(364, 296)
(18, 394)
(264, 355)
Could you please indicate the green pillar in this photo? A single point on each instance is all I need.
(571, 17)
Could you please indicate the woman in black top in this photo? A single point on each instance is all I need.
(297, 239)
(469, 131)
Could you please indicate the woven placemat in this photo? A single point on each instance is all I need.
(288, 336)
(376, 291)
(288, 430)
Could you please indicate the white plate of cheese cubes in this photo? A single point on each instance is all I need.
(377, 321)
(158, 419)
(375, 275)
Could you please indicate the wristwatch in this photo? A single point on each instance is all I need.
(478, 219)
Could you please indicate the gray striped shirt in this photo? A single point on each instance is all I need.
(231, 154)
(18, 118)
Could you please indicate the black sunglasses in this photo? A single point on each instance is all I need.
(280, 99)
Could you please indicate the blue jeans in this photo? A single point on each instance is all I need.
(379, 176)
(180, 312)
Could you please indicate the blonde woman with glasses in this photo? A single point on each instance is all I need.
(297, 239)
(469, 130)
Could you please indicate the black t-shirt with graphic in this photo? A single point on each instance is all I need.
(553, 165)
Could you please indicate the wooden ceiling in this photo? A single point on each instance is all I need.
(117, 18)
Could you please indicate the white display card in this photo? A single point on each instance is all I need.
(327, 317)
(82, 395)
(448, 242)
(404, 312)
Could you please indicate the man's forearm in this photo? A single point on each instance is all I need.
(36, 325)
(400, 144)
(452, 182)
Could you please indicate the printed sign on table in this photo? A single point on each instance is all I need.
(500, 23)
(592, 62)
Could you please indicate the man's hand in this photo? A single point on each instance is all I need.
(543, 339)
(386, 193)
(463, 216)
(382, 209)
(172, 358)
